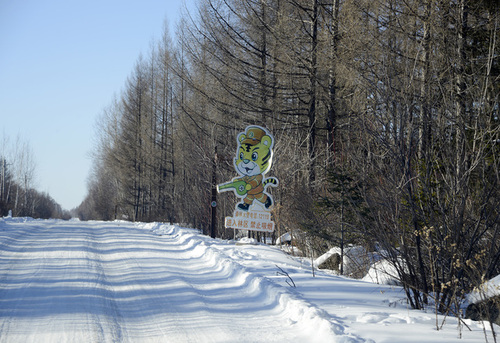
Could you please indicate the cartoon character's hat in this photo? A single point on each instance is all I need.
(253, 135)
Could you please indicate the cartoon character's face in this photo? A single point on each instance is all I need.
(254, 156)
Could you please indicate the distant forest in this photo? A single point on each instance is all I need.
(18, 194)
(385, 115)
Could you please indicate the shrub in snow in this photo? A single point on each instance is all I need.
(332, 262)
(487, 290)
(485, 302)
(357, 260)
(488, 309)
(383, 273)
(284, 239)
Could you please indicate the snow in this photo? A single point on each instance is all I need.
(283, 239)
(72, 281)
(487, 290)
(356, 260)
(382, 272)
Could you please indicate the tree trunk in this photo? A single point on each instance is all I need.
(313, 95)
(331, 120)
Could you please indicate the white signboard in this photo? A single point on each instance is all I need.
(254, 156)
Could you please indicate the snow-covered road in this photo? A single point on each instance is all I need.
(71, 281)
(116, 282)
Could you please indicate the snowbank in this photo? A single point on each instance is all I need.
(383, 273)
(489, 289)
(356, 259)
(284, 239)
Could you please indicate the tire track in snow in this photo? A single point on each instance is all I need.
(13, 243)
(53, 286)
(110, 314)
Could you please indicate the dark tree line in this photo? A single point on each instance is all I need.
(385, 114)
(18, 195)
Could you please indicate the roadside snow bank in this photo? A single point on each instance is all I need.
(10, 219)
(313, 322)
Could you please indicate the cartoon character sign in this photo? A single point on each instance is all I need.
(253, 160)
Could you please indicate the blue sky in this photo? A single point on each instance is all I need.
(61, 64)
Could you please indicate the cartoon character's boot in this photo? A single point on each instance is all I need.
(268, 202)
(244, 206)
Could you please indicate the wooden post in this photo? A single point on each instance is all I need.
(213, 226)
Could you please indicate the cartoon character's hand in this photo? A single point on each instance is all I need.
(248, 187)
